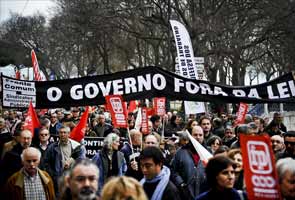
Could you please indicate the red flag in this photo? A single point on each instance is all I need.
(159, 105)
(78, 132)
(243, 109)
(144, 121)
(118, 110)
(31, 121)
(259, 165)
(17, 74)
(132, 106)
(37, 75)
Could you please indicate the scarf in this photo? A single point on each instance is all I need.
(164, 180)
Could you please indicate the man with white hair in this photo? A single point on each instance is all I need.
(30, 182)
(277, 142)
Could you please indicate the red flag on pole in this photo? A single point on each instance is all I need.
(37, 75)
(31, 121)
(78, 132)
(259, 165)
(118, 110)
(132, 106)
(241, 114)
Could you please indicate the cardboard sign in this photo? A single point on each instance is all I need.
(259, 167)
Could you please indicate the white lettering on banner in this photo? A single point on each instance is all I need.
(54, 94)
(253, 94)
(283, 90)
(292, 87)
(239, 93)
(193, 88)
(218, 90)
(76, 92)
(119, 86)
(91, 90)
(105, 89)
(270, 93)
(130, 85)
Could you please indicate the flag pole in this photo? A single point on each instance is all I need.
(130, 141)
(163, 129)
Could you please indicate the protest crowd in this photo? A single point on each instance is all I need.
(160, 163)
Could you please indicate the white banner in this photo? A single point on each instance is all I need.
(186, 64)
(185, 51)
(18, 93)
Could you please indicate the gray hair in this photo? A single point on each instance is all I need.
(67, 129)
(33, 149)
(109, 140)
(284, 165)
(183, 135)
(84, 162)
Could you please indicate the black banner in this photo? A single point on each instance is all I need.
(140, 83)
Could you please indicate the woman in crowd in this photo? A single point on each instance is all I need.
(189, 126)
(109, 160)
(123, 188)
(221, 176)
(236, 155)
(214, 143)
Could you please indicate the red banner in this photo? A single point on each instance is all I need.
(31, 121)
(132, 106)
(117, 108)
(259, 167)
(243, 109)
(159, 106)
(144, 121)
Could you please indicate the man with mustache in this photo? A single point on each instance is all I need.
(30, 182)
(83, 180)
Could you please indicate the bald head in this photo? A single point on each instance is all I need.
(198, 134)
(277, 142)
(25, 138)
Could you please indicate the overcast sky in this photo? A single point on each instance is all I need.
(24, 7)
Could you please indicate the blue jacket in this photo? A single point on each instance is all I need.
(53, 158)
(185, 171)
(102, 162)
(231, 194)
